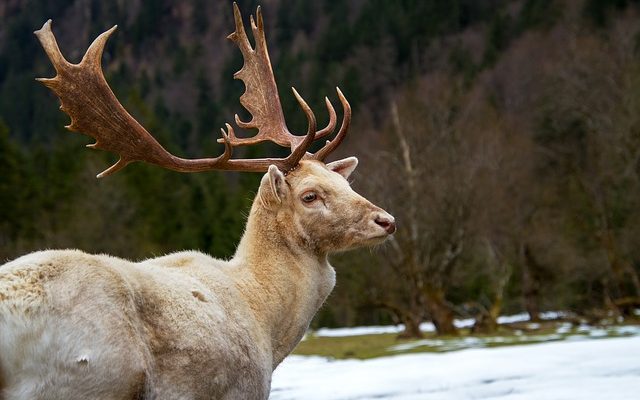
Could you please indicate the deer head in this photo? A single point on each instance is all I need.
(319, 210)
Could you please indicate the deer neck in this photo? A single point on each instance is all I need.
(283, 283)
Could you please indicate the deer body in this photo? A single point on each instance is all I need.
(182, 326)
(104, 328)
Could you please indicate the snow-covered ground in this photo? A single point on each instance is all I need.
(568, 370)
(427, 326)
(562, 332)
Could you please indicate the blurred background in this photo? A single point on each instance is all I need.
(503, 135)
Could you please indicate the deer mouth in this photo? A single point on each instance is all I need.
(376, 238)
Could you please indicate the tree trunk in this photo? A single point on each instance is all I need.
(530, 283)
(487, 321)
(411, 317)
(607, 299)
(484, 323)
(411, 327)
(440, 312)
(619, 266)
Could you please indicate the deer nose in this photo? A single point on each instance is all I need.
(387, 222)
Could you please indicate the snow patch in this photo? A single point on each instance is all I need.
(429, 327)
(568, 370)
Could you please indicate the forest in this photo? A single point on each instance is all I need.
(503, 135)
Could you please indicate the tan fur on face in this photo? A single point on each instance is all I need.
(185, 325)
(345, 221)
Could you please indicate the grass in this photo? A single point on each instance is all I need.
(378, 345)
(362, 347)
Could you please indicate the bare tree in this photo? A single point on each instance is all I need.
(432, 176)
(593, 122)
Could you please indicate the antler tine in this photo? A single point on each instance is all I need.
(300, 150)
(331, 125)
(239, 36)
(93, 56)
(50, 45)
(228, 149)
(332, 120)
(258, 30)
(330, 146)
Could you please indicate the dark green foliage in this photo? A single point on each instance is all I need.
(12, 192)
(498, 37)
(599, 12)
(462, 63)
(149, 21)
(538, 14)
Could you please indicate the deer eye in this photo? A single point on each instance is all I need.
(309, 197)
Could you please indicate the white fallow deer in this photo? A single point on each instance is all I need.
(184, 326)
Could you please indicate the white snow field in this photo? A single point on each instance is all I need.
(583, 369)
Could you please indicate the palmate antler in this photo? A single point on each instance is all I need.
(261, 96)
(95, 111)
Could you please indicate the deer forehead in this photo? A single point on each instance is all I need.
(315, 175)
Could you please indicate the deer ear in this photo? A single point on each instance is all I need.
(344, 167)
(277, 186)
(273, 188)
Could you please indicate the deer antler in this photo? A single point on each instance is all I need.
(261, 97)
(95, 111)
